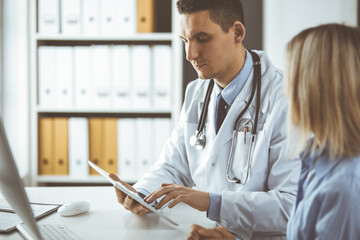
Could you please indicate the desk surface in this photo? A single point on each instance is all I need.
(107, 219)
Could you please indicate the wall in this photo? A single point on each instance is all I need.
(15, 76)
(285, 18)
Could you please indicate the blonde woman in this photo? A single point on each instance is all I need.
(323, 88)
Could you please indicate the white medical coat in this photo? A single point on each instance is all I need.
(262, 206)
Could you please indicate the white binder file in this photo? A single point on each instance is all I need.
(90, 17)
(46, 76)
(141, 71)
(48, 16)
(162, 132)
(78, 147)
(64, 76)
(127, 17)
(144, 141)
(82, 76)
(161, 75)
(70, 17)
(100, 67)
(121, 76)
(109, 16)
(126, 149)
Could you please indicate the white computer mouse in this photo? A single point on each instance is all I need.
(74, 208)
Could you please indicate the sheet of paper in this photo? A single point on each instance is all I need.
(9, 220)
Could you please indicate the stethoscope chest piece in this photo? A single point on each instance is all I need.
(198, 140)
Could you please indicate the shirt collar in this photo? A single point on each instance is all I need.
(320, 161)
(230, 92)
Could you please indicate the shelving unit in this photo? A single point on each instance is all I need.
(104, 110)
(136, 37)
(37, 40)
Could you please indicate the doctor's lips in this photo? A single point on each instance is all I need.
(198, 66)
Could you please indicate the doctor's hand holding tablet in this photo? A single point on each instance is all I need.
(171, 192)
(128, 197)
(127, 201)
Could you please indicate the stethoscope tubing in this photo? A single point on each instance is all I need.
(203, 115)
(201, 124)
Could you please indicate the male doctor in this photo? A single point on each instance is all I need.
(212, 32)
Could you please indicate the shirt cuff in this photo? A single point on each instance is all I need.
(145, 193)
(214, 206)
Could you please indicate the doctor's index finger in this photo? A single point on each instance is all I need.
(166, 184)
(166, 200)
(158, 193)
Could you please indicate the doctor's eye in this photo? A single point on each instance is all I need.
(203, 38)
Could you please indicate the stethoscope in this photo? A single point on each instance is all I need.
(198, 140)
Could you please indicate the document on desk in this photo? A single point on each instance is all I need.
(9, 219)
(132, 194)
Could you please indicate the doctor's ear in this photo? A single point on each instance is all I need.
(239, 31)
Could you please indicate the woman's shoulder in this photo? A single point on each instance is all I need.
(339, 176)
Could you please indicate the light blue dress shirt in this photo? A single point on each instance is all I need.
(328, 199)
(229, 93)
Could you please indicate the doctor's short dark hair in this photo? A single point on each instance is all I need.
(222, 12)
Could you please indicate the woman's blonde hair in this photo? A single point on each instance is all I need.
(323, 86)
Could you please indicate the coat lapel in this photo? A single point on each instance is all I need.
(225, 133)
(216, 142)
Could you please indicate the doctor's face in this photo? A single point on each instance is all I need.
(210, 50)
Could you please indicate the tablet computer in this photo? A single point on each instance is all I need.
(132, 194)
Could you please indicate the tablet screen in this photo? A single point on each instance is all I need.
(132, 194)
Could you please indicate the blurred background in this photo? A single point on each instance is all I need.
(72, 77)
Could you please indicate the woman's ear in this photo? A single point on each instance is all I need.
(239, 31)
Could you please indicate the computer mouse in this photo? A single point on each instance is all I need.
(74, 208)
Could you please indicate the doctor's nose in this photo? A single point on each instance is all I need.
(192, 52)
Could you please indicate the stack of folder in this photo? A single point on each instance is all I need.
(53, 147)
(127, 146)
(103, 144)
(103, 17)
(116, 76)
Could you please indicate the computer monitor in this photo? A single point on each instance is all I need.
(10, 181)
(13, 188)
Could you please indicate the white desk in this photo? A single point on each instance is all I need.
(108, 220)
